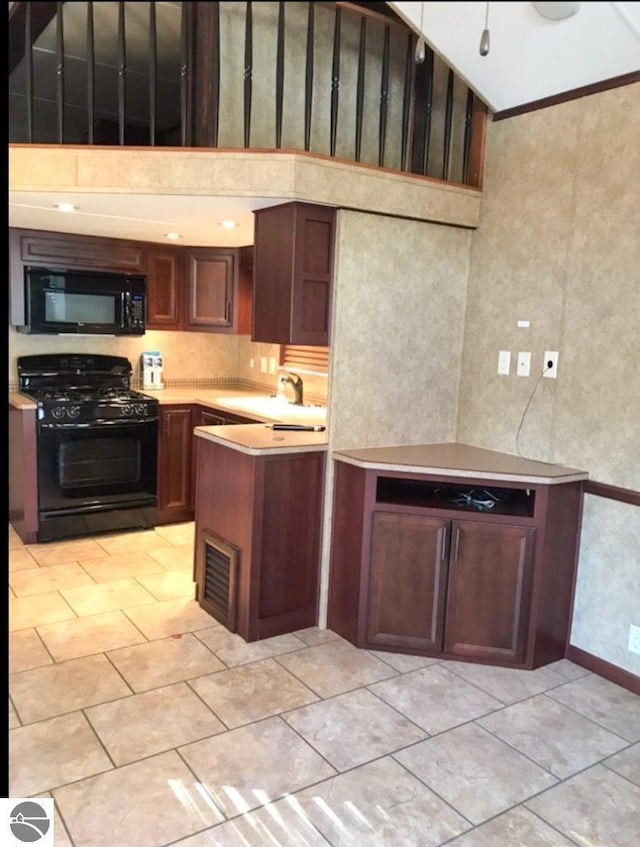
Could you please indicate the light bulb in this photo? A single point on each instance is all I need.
(484, 43)
(421, 51)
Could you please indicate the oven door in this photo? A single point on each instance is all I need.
(98, 477)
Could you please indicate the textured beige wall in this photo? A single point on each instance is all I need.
(559, 245)
(399, 301)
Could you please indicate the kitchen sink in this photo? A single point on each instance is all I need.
(275, 407)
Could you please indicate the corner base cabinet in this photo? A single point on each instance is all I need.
(419, 564)
(258, 523)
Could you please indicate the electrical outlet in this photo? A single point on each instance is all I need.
(504, 362)
(634, 639)
(252, 363)
(550, 371)
(272, 365)
(264, 367)
(524, 364)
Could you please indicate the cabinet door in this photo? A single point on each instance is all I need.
(77, 251)
(407, 581)
(212, 290)
(489, 592)
(175, 497)
(164, 288)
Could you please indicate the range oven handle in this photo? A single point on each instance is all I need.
(100, 424)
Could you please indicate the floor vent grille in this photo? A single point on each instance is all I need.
(217, 590)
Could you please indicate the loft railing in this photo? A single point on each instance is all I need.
(334, 79)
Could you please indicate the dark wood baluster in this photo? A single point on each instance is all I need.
(384, 93)
(215, 79)
(362, 56)
(185, 58)
(407, 102)
(448, 115)
(308, 84)
(153, 73)
(60, 72)
(248, 74)
(335, 83)
(468, 124)
(122, 71)
(279, 74)
(91, 75)
(28, 57)
(428, 110)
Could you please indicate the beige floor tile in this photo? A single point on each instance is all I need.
(61, 552)
(52, 753)
(145, 724)
(353, 728)
(234, 650)
(507, 684)
(165, 661)
(106, 597)
(20, 560)
(14, 721)
(379, 805)
(313, 635)
(474, 772)
(568, 670)
(626, 763)
(597, 808)
(402, 662)
(15, 541)
(169, 617)
(120, 566)
(27, 651)
(53, 690)
(27, 612)
(610, 705)
(557, 738)
(132, 542)
(276, 825)
(335, 667)
(252, 692)
(84, 636)
(517, 828)
(178, 533)
(60, 832)
(145, 804)
(54, 578)
(169, 585)
(179, 557)
(249, 767)
(435, 699)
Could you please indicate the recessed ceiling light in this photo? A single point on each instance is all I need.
(65, 207)
(228, 224)
(174, 236)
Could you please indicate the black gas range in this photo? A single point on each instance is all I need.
(96, 441)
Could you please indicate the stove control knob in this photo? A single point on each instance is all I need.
(141, 409)
(58, 412)
(73, 412)
(127, 410)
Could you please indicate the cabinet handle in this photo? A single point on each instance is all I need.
(227, 312)
(457, 545)
(443, 546)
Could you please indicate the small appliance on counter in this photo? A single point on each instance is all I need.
(152, 370)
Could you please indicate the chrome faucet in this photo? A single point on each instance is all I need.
(295, 381)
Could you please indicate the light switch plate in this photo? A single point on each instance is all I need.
(524, 364)
(550, 356)
(504, 362)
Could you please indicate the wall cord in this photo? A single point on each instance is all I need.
(546, 368)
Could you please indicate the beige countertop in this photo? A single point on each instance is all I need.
(257, 405)
(261, 439)
(459, 460)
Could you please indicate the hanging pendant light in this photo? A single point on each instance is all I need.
(421, 48)
(485, 41)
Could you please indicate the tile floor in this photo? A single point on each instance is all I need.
(152, 725)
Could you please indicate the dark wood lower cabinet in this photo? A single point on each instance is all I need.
(175, 490)
(412, 570)
(267, 511)
(489, 596)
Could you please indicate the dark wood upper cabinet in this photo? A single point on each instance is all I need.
(165, 288)
(293, 269)
(59, 250)
(217, 291)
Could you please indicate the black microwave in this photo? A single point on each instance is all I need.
(84, 302)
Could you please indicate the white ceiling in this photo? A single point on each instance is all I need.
(530, 58)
